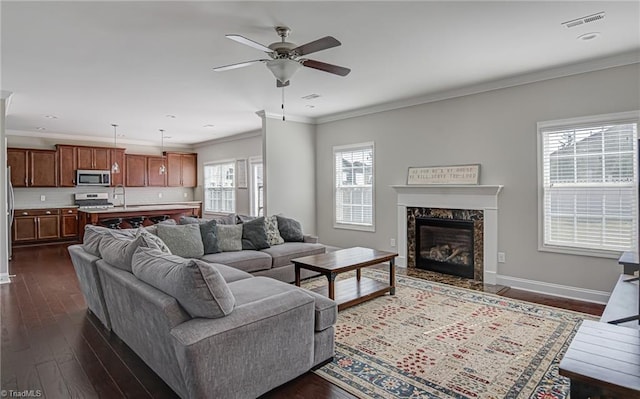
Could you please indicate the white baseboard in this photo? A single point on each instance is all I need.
(563, 291)
(4, 278)
(401, 261)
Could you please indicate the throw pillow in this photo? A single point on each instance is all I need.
(271, 227)
(227, 219)
(182, 240)
(244, 218)
(254, 235)
(151, 240)
(229, 237)
(197, 286)
(207, 232)
(94, 234)
(118, 252)
(290, 229)
(153, 229)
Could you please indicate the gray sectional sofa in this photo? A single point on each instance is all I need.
(263, 332)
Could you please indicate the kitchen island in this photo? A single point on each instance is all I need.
(173, 211)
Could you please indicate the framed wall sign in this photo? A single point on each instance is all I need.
(455, 174)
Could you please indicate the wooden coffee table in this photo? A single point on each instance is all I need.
(352, 291)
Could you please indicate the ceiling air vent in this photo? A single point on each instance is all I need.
(584, 20)
(311, 96)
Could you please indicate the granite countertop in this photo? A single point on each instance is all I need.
(138, 208)
(29, 207)
(118, 207)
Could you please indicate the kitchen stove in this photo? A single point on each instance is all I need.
(93, 201)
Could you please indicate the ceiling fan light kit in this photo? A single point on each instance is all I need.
(285, 56)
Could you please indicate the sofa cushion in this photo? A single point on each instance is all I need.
(182, 240)
(248, 261)
(118, 252)
(207, 232)
(229, 237)
(152, 240)
(93, 235)
(282, 254)
(273, 234)
(153, 229)
(257, 288)
(326, 311)
(196, 285)
(230, 274)
(226, 219)
(244, 218)
(254, 235)
(290, 229)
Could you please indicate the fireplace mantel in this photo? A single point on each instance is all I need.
(481, 197)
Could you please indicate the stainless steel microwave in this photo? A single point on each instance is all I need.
(93, 177)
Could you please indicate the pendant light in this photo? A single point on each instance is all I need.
(115, 168)
(163, 169)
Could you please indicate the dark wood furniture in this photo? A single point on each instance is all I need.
(622, 307)
(69, 223)
(31, 225)
(94, 158)
(154, 177)
(181, 169)
(33, 168)
(603, 360)
(136, 170)
(352, 291)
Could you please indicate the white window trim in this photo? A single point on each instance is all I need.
(350, 226)
(204, 188)
(629, 117)
(252, 200)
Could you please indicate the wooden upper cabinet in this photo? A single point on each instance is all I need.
(181, 170)
(154, 177)
(18, 160)
(135, 170)
(94, 158)
(67, 165)
(117, 155)
(33, 168)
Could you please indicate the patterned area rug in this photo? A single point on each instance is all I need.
(432, 340)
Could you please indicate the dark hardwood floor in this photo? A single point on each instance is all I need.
(50, 342)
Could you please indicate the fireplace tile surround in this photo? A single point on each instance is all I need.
(474, 199)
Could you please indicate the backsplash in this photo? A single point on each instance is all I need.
(59, 197)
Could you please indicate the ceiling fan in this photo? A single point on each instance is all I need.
(285, 57)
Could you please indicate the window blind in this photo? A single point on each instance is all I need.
(590, 186)
(354, 185)
(219, 187)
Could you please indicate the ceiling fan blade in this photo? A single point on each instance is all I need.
(317, 45)
(280, 84)
(238, 65)
(322, 66)
(249, 42)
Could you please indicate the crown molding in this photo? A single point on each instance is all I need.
(96, 139)
(288, 118)
(6, 96)
(226, 139)
(628, 58)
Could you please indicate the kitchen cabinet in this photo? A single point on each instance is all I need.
(67, 165)
(32, 167)
(94, 158)
(68, 222)
(154, 177)
(181, 169)
(135, 170)
(36, 225)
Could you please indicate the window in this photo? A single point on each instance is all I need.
(257, 187)
(354, 177)
(219, 187)
(589, 184)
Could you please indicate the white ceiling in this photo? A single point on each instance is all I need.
(92, 64)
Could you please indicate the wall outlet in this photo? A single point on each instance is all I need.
(392, 242)
(501, 257)
(184, 195)
(159, 195)
(43, 198)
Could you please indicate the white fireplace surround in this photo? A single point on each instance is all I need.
(478, 197)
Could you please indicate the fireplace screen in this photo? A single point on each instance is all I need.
(445, 246)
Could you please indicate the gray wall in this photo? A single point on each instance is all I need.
(289, 159)
(242, 146)
(496, 129)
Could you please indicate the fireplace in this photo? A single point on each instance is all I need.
(445, 240)
(445, 246)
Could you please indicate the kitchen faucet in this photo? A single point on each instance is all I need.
(124, 194)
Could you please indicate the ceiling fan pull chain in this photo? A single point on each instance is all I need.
(283, 103)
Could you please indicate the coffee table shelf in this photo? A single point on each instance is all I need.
(349, 292)
(352, 291)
